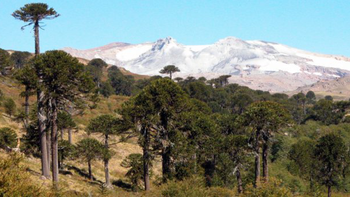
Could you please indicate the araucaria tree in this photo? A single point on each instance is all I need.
(27, 77)
(331, 155)
(106, 125)
(152, 113)
(265, 119)
(89, 150)
(170, 69)
(32, 14)
(63, 81)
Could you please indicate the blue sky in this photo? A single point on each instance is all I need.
(314, 25)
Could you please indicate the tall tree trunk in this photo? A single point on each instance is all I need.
(48, 126)
(45, 162)
(90, 171)
(239, 179)
(106, 161)
(26, 106)
(265, 154)
(257, 158)
(48, 145)
(171, 75)
(146, 158)
(45, 171)
(41, 114)
(329, 191)
(70, 135)
(54, 142)
(166, 170)
(36, 35)
(98, 87)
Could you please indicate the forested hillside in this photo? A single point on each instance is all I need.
(71, 127)
(192, 136)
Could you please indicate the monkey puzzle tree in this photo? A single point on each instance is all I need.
(168, 101)
(27, 77)
(135, 173)
(20, 58)
(64, 81)
(170, 69)
(138, 114)
(95, 68)
(264, 119)
(89, 150)
(302, 155)
(32, 14)
(106, 125)
(151, 114)
(65, 121)
(331, 155)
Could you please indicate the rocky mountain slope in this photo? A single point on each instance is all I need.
(256, 64)
(338, 88)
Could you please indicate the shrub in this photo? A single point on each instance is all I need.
(8, 137)
(273, 188)
(15, 181)
(10, 107)
(193, 187)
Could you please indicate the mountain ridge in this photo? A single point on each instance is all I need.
(257, 64)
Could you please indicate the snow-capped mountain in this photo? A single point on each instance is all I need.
(257, 64)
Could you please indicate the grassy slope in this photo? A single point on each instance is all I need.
(75, 181)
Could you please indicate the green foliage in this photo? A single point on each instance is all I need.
(266, 116)
(89, 149)
(65, 151)
(170, 69)
(302, 155)
(8, 137)
(95, 69)
(107, 89)
(123, 85)
(65, 121)
(30, 142)
(274, 188)
(15, 180)
(98, 63)
(10, 107)
(328, 98)
(192, 187)
(105, 124)
(5, 61)
(327, 112)
(311, 97)
(20, 59)
(63, 76)
(26, 75)
(34, 12)
(135, 173)
(331, 156)
(240, 102)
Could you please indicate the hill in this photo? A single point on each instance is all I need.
(339, 88)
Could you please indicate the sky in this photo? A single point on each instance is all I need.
(321, 26)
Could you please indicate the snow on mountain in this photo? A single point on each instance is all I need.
(257, 64)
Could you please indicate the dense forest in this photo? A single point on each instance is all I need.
(197, 137)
